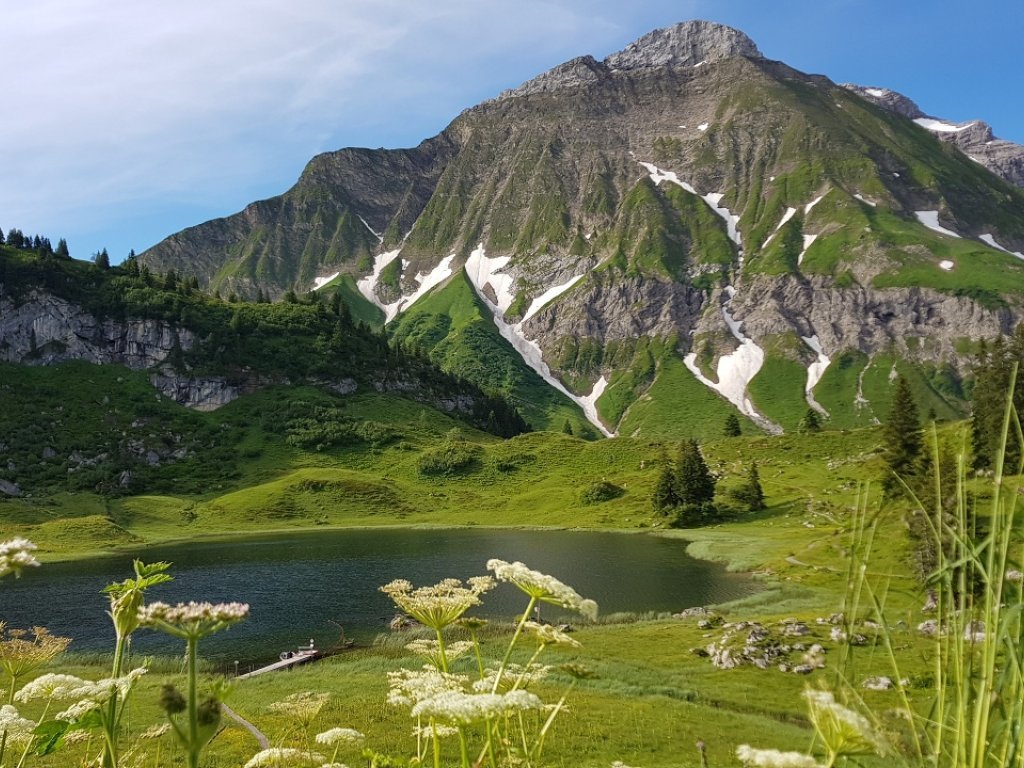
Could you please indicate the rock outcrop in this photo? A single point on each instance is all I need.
(974, 138)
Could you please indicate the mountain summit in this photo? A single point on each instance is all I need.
(680, 232)
(688, 44)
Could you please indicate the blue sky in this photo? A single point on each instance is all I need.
(124, 122)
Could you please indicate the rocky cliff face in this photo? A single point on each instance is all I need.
(45, 330)
(974, 138)
(684, 189)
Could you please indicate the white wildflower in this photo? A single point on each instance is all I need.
(620, 764)
(460, 708)
(50, 686)
(278, 757)
(17, 728)
(192, 620)
(439, 605)
(340, 736)
(78, 710)
(514, 675)
(408, 687)
(430, 649)
(333, 765)
(773, 758)
(15, 555)
(547, 634)
(434, 731)
(545, 588)
(843, 731)
(1014, 576)
(77, 737)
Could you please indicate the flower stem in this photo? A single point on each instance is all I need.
(508, 653)
(193, 706)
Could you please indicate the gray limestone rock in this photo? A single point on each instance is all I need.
(684, 45)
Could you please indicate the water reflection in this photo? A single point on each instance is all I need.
(298, 584)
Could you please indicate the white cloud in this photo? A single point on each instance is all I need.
(121, 108)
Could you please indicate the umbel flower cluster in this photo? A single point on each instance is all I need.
(16, 555)
(496, 707)
(192, 620)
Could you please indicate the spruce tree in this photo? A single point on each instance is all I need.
(810, 423)
(664, 498)
(732, 426)
(567, 427)
(1, 237)
(751, 493)
(101, 259)
(902, 436)
(694, 482)
(62, 249)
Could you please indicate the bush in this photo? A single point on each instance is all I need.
(599, 492)
(448, 459)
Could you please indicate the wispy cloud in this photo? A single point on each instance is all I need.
(117, 108)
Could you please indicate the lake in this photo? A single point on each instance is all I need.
(309, 585)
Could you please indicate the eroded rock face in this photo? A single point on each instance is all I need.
(866, 319)
(47, 330)
(975, 138)
(687, 44)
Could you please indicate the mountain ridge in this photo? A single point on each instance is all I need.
(664, 193)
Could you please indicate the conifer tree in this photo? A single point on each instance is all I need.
(62, 249)
(664, 498)
(751, 493)
(902, 436)
(567, 427)
(732, 426)
(810, 423)
(1, 237)
(694, 482)
(101, 259)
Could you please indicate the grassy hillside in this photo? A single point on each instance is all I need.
(455, 330)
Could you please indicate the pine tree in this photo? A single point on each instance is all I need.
(664, 498)
(290, 297)
(567, 427)
(2, 237)
(694, 482)
(170, 280)
(810, 423)
(62, 249)
(902, 436)
(101, 259)
(732, 426)
(751, 493)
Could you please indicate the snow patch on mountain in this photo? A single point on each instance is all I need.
(863, 199)
(810, 206)
(367, 284)
(736, 370)
(712, 199)
(931, 220)
(947, 265)
(814, 372)
(425, 281)
(550, 295)
(483, 270)
(808, 240)
(941, 126)
(320, 282)
(785, 217)
(703, 127)
(988, 239)
(375, 233)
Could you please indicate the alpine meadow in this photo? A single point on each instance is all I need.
(688, 300)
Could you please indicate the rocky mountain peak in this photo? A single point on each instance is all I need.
(684, 45)
(887, 99)
(687, 44)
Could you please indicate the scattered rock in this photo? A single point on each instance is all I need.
(929, 628)
(7, 488)
(877, 683)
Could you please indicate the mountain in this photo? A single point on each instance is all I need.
(679, 231)
(974, 138)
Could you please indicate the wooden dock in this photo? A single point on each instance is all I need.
(302, 656)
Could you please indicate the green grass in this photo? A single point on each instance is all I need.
(778, 389)
(454, 328)
(678, 406)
